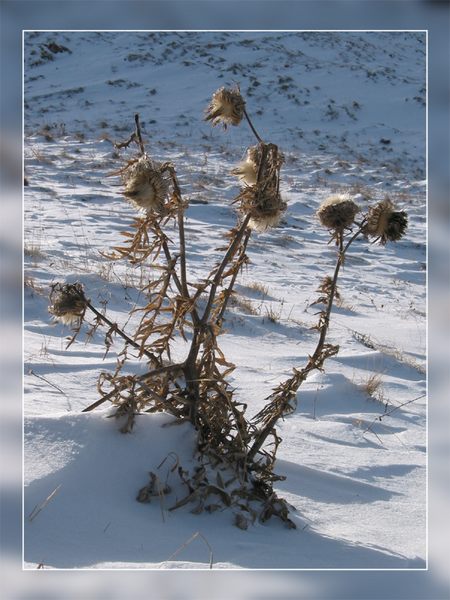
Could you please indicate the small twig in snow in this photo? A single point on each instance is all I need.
(37, 509)
(389, 412)
(191, 539)
(31, 372)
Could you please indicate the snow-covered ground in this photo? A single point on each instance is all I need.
(348, 111)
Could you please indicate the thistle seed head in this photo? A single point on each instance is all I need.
(226, 107)
(384, 223)
(146, 185)
(265, 207)
(337, 212)
(247, 170)
(262, 199)
(68, 303)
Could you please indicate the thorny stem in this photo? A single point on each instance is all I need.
(226, 259)
(122, 334)
(138, 134)
(182, 253)
(252, 127)
(190, 369)
(229, 290)
(176, 279)
(183, 289)
(316, 360)
(340, 261)
(331, 295)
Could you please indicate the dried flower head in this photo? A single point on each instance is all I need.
(262, 199)
(247, 170)
(146, 185)
(384, 223)
(337, 212)
(266, 207)
(226, 107)
(68, 303)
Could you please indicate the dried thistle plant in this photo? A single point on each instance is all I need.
(236, 460)
(337, 213)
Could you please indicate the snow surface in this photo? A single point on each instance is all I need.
(348, 111)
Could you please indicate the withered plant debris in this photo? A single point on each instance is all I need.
(235, 455)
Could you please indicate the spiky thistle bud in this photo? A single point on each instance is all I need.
(384, 223)
(337, 212)
(146, 185)
(226, 107)
(68, 303)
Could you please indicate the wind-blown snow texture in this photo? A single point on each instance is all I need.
(348, 111)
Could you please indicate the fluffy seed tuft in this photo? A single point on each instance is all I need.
(247, 170)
